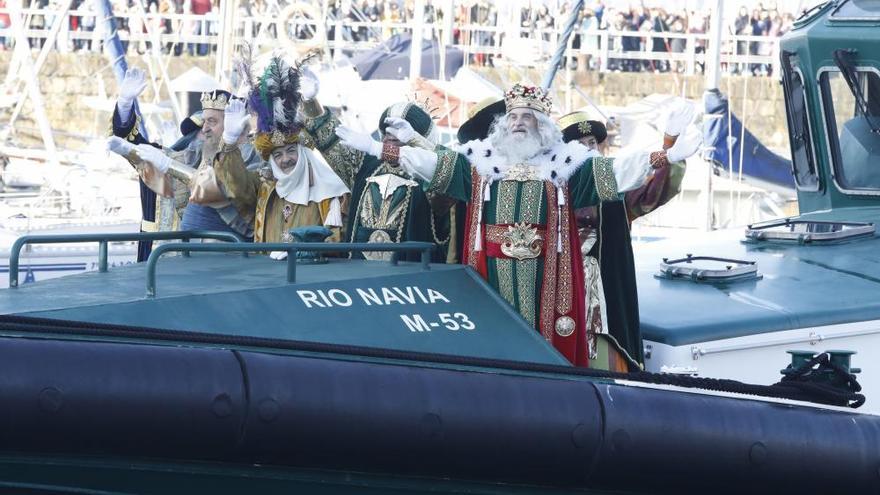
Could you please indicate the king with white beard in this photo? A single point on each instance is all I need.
(521, 185)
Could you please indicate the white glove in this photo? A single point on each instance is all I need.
(133, 84)
(119, 146)
(154, 156)
(419, 163)
(681, 114)
(359, 141)
(278, 255)
(685, 146)
(235, 118)
(400, 129)
(308, 84)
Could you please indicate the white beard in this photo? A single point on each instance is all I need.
(519, 148)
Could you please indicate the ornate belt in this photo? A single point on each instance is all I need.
(520, 241)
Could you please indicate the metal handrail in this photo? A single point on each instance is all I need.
(292, 248)
(104, 239)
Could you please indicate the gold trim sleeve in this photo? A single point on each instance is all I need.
(606, 183)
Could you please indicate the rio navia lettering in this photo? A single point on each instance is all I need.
(382, 296)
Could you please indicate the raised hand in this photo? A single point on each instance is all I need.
(133, 84)
(154, 156)
(680, 115)
(685, 146)
(419, 163)
(308, 84)
(235, 118)
(401, 129)
(119, 146)
(359, 141)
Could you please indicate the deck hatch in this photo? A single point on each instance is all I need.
(708, 269)
(809, 231)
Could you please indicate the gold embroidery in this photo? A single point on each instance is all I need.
(498, 233)
(345, 162)
(564, 287)
(505, 206)
(387, 218)
(526, 272)
(530, 202)
(505, 209)
(521, 173)
(603, 173)
(378, 236)
(474, 220)
(445, 169)
(585, 128)
(266, 190)
(504, 272)
(133, 133)
(548, 285)
(325, 132)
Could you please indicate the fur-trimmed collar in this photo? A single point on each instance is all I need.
(556, 164)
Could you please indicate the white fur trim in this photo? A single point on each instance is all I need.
(563, 158)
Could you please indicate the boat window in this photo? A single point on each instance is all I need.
(852, 120)
(857, 10)
(802, 156)
(808, 231)
(708, 269)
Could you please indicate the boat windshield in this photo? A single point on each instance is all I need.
(852, 120)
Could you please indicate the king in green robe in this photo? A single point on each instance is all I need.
(522, 184)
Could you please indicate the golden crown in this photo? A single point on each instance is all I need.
(215, 100)
(533, 97)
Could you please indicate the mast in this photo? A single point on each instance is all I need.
(561, 45)
(713, 80)
(30, 77)
(226, 45)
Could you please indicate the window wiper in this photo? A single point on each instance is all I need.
(808, 12)
(843, 60)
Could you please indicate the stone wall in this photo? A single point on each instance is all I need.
(74, 86)
(764, 105)
(73, 83)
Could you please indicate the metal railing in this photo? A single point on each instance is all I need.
(104, 239)
(476, 41)
(290, 248)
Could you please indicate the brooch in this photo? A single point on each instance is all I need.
(286, 212)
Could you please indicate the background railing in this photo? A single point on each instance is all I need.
(600, 49)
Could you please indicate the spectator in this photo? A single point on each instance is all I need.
(4, 24)
(199, 27)
(678, 45)
(544, 22)
(589, 42)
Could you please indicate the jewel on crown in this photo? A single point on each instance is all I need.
(215, 100)
(533, 97)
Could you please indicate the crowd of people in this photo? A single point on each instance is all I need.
(480, 25)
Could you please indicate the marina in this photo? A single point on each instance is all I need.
(664, 294)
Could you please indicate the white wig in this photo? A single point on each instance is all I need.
(545, 137)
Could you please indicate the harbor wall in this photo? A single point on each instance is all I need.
(760, 99)
(79, 91)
